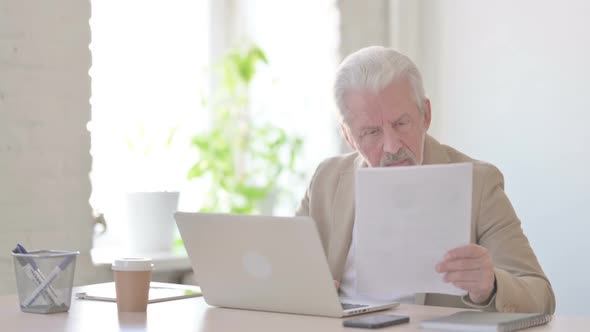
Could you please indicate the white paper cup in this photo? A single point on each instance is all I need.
(132, 283)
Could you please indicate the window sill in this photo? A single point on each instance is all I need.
(163, 261)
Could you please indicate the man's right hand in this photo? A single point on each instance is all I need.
(337, 284)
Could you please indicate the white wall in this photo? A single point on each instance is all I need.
(510, 84)
(44, 144)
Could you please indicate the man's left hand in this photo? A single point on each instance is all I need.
(470, 268)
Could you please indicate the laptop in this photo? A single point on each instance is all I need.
(264, 263)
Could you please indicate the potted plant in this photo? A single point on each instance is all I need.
(240, 158)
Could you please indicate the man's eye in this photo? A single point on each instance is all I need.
(370, 132)
(402, 122)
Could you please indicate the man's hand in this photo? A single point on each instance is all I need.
(470, 268)
(336, 284)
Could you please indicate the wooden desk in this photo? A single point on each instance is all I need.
(195, 315)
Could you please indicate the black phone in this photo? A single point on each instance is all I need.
(376, 321)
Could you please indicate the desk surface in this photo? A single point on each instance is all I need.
(195, 315)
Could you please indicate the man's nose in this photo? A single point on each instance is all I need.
(392, 142)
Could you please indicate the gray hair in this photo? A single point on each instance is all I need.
(374, 68)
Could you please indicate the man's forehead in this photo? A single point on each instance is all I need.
(362, 108)
(360, 98)
(396, 98)
(365, 108)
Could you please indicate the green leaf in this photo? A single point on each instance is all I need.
(252, 192)
(241, 210)
(257, 54)
(246, 70)
(171, 135)
(178, 244)
(200, 142)
(200, 168)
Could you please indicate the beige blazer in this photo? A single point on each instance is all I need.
(521, 284)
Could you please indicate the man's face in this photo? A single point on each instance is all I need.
(387, 128)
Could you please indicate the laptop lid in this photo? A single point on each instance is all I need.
(260, 263)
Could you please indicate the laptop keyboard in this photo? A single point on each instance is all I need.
(347, 306)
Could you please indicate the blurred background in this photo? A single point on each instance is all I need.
(226, 105)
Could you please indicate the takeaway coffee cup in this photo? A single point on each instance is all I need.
(132, 283)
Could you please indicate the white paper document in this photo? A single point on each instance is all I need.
(406, 219)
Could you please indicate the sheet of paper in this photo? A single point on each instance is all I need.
(406, 219)
(158, 292)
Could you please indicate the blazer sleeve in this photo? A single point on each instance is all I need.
(521, 284)
(304, 206)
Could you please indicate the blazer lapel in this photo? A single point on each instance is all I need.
(434, 153)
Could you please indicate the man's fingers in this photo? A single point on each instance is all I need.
(469, 286)
(464, 276)
(469, 268)
(477, 293)
(460, 264)
(468, 251)
(336, 284)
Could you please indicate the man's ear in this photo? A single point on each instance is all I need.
(427, 113)
(347, 136)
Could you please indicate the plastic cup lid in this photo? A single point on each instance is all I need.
(133, 264)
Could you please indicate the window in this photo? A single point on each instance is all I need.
(149, 72)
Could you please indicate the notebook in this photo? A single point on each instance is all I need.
(485, 321)
(159, 292)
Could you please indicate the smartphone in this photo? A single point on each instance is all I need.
(376, 321)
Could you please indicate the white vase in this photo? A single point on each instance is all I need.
(150, 220)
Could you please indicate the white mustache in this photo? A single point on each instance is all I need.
(401, 155)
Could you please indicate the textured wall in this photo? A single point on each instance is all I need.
(44, 143)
